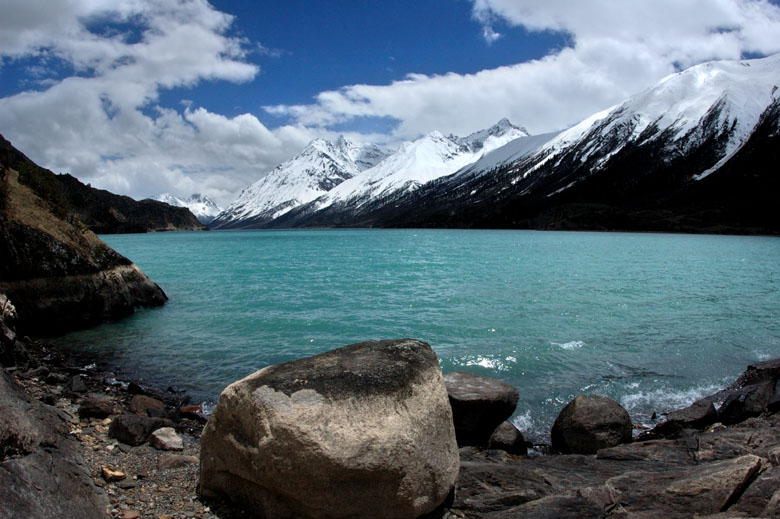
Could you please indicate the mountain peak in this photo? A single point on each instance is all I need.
(494, 137)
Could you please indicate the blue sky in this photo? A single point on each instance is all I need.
(145, 96)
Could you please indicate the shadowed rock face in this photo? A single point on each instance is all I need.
(58, 274)
(41, 472)
(360, 431)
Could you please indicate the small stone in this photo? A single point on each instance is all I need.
(175, 461)
(76, 384)
(94, 407)
(135, 389)
(127, 484)
(140, 403)
(112, 475)
(130, 514)
(166, 439)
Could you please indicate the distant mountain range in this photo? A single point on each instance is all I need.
(695, 153)
(342, 176)
(203, 207)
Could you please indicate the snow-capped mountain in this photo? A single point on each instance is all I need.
(412, 165)
(320, 167)
(203, 207)
(695, 153)
(491, 138)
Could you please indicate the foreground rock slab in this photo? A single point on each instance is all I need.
(362, 431)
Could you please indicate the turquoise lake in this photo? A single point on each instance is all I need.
(652, 320)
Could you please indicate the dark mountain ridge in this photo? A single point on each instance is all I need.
(101, 211)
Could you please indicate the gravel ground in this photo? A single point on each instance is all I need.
(142, 481)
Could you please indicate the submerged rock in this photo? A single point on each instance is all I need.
(589, 423)
(479, 405)
(361, 431)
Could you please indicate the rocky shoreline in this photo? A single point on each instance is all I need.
(694, 465)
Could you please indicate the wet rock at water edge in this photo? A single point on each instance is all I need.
(698, 415)
(360, 431)
(508, 438)
(479, 405)
(589, 423)
(746, 402)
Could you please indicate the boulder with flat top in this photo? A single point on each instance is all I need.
(479, 405)
(361, 431)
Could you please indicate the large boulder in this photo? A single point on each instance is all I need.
(479, 405)
(42, 473)
(361, 431)
(589, 423)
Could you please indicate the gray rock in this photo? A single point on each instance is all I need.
(134, 429)
(76, 384)
(166, 439)
(96, 407)
(705, 489)
(361, 431)
(508, 438)
(766, 371)
(553, 507)
(698, 415)
(589, 423)
(176, 461)
(41, 472)
(747, 402)
(479, 405)
(140, 404)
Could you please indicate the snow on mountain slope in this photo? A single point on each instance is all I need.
(494, 137)
(726, 96)
(416, 163)
(320, 167)
(204, 208)
(510, 152)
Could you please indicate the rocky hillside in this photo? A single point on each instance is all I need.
(56, 272)
(101, 211)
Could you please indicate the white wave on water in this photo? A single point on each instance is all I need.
(571, 345)
(495, 363)
(641, 404)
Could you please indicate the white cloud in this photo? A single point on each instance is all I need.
(103, 125)
(618, 48)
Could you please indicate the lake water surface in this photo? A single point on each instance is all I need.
(652, 320)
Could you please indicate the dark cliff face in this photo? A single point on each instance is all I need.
(58, 274)
(101, 211)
